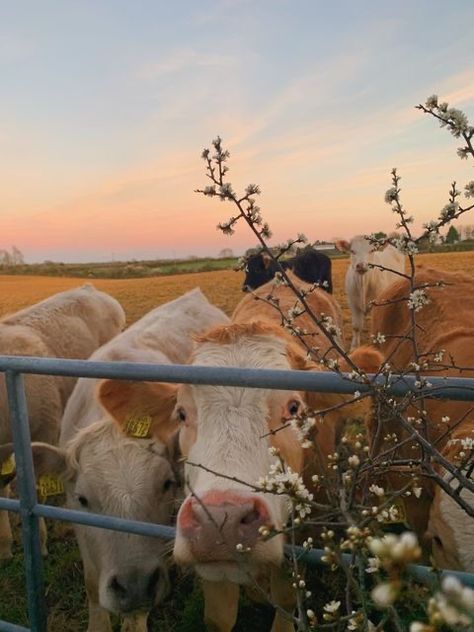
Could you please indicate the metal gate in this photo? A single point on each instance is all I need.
(461, 389)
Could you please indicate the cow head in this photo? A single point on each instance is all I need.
(258, 271)
(109, 472)
(360, 250)
(227, 430)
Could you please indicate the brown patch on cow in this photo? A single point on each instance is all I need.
(124, 400)
(366, 358)
(230, 334)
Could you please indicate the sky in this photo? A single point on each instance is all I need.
(105, 108)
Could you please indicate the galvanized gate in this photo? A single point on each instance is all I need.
(30, 510)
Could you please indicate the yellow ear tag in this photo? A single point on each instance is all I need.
(8, 466)
(50, 485)
(401, 515)
(138, 426)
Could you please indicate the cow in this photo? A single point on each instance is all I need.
(364, 283)
(450, 530)
(309, 265)
(70, 324)
(443, 324)
(117, 456)
(229, 430)
(255, 307)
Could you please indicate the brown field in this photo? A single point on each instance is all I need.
(222, 288)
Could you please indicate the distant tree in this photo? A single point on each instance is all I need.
(226, 253)
(468, 231)
(17, 256)
(452, 235)
(13, 258)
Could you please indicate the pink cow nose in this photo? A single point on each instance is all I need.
(219, 521)
(361, 268)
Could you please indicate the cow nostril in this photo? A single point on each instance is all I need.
(118, 588)
(153, 582)
(250, 517)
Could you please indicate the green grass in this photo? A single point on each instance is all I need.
(182, 611)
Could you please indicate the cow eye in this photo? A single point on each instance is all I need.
(168, 484)
(438, 542)
(83, 501)
(181, 414)
(293, 407)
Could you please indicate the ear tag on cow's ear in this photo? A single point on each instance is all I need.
(138, 426)
(50, 485)
(8, 466)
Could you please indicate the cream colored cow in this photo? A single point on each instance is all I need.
(365, 283)
(227, 430)
(71, 324)
(117, 459)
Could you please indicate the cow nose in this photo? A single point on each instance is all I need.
(245, 288)
(135, 589)
(216, 528)
(361, 268)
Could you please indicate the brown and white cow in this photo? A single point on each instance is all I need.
(443, 324)
(111, 467)
(71, 324)
(227, 430)
(364, 283)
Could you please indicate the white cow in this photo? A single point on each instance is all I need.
(109, 469)
(71, 324)
(365, 283)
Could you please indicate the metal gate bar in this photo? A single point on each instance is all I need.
(461, 389)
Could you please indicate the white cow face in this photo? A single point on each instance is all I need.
(226, 431)
(108, 472)
(361, 251)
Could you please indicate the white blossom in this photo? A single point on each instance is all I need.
(417, 299)
(379, 338)
(391, 195)
(469, 189)
(373, 565)
(332, 606)
(385, 594)
(375, 489)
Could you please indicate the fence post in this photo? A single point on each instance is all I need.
(27, 488)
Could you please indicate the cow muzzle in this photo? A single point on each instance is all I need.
(135, 589)
(220, 525)
(361, 268)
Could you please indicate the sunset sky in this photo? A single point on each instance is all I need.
(106, 106)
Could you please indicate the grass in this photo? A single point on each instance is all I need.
(122, 269)
(182, 612)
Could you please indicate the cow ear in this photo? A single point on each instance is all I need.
(266, 260)
(342, 245)
(141, 409)
(366, 358)
(48, 459)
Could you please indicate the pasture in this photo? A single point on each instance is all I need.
(222, 287)
(64, 584)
